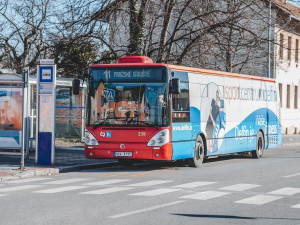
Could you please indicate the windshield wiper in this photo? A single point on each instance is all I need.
(146, 123)
(96, 125)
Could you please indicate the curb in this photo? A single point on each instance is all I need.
(70, 148)
(65, 169)
(31, 172)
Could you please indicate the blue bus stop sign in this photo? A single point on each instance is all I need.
(46, 113)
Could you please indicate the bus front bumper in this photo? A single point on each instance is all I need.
(129, 151)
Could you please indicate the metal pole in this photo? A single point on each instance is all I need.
(24, 115)
(269, 39)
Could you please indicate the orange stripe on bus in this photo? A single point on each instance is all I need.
(219, 73)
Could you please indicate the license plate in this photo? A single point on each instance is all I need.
(122, 154)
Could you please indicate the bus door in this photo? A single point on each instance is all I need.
(183, 139)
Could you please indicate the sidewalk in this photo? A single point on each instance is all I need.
(66, 160)
(69, 159)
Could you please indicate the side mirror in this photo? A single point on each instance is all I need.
(175, 86)
(76, 86)
(91, 89)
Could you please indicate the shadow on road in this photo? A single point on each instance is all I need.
(232, 217)
(144, 166)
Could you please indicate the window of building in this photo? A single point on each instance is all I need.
(280, 94)
(296, 98)
(288, 93)
(281, 46)
(297, 51)
(181, 105)
(289, 48)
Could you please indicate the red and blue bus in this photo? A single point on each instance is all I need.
(140, 110)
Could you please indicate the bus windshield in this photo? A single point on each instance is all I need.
(139, 100)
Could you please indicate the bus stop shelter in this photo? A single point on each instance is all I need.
(70, 111)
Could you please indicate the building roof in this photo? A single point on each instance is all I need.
(288, 8)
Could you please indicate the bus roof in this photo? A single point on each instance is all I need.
(129, 65)
(219, 73)
(143, 61)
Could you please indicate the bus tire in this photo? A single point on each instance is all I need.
(126, 162)
(198, 158)
(260, 146)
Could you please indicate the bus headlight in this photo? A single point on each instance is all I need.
(90, 139)
(160, 139)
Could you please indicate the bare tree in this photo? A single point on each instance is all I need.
(221, 35)
(70, 39)
(22, 35)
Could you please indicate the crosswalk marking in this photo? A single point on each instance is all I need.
(206, 195)
(107, 182)
(66, 181)
(259, 199)
(296, 206)
(1, 195)
(150, 183)
(285, 191)
(60, 189)
(194, 184)
(27, 180)
(292, 175)
(19, 188)
(107, 190)
(145, 209)
(239, 187)
(156, 192)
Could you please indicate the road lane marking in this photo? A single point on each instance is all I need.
(19, 188)
(27, 180)
(145, 210)
(194, 184)
(296, 206)
(156, 192)
(150, 183)
(66, 181)
(292, 175)
(239, 187)
(285, 191)
(259, 199)
(107, 182)
(107, 190)
(60, 189)
(206, 195)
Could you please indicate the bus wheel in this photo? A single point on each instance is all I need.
(197, 160)
(260, 145)
(126, 162)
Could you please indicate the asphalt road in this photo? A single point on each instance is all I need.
(226, 190)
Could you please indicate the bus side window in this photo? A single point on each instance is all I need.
(181, 105)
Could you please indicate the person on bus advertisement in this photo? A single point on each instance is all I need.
(215, 122)
(219, 130)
